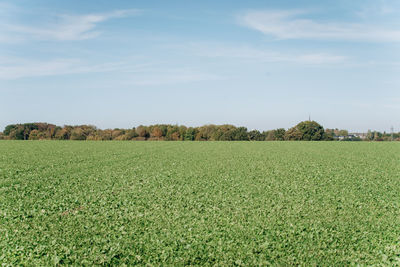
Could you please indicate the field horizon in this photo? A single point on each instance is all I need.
(236, 133)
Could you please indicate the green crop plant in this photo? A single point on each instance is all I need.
(199, 203)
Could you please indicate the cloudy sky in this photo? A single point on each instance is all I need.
(259, 64)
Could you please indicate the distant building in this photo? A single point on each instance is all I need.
(359, 135)
(352, 136)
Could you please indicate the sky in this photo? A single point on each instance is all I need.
(258, 64)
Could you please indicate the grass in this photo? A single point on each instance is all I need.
(199, 203)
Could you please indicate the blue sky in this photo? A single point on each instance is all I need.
(259, 64)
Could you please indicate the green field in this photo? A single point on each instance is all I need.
(199, 203)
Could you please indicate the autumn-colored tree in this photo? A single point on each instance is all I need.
(64, 133)
(293, 134)
(172, 133)
(142, 132)
(34, 135)
(130, 134)
(38, 135)
(78, 134)
(175, 136)
(270, 136)
(156, 133)
(306, 130)
(116, 133)
(205, 132)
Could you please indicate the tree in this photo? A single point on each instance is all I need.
(129, 135)
(329, 134)
(156, 133)
(270, 136)
(190, 134)
(306, 130)
(255, 135)
(343, 133)
(293, 134)
(172, 133)
(205, 132)
(78, 134)
(175, 136)
(378, 136)
(34, 135)
(279, 134)
(224, 132)
(64, 133)
(182, 132)
(18, 133)
(38, 135)
(8, 129)
(370, 135)
(142, 132)
(240, 134)
(116, 133)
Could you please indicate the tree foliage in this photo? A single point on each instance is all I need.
(306, 130)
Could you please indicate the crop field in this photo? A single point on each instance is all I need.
(199, 203)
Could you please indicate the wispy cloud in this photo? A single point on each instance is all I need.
(392, 103)
(11, 69)
(378, 7)
(63, 27)
(249, 53)
(147, 74)
(294, 25)
(172, 76)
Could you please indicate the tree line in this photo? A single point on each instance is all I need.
(305, 130)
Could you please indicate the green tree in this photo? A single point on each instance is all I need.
(378, 136)
(240, 134)
(370, 135)
(343, 133)
(255, 135)
(279, 134)
(306, 130)
(8, 129)
(329, 134)
(190, 134)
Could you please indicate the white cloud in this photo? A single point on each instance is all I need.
(64, 27)
(392, 106)
(141, 74)
(392, 103)
(172, 76)
(250, 53)
(378, 8)
(293, 25)
(14, 68)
